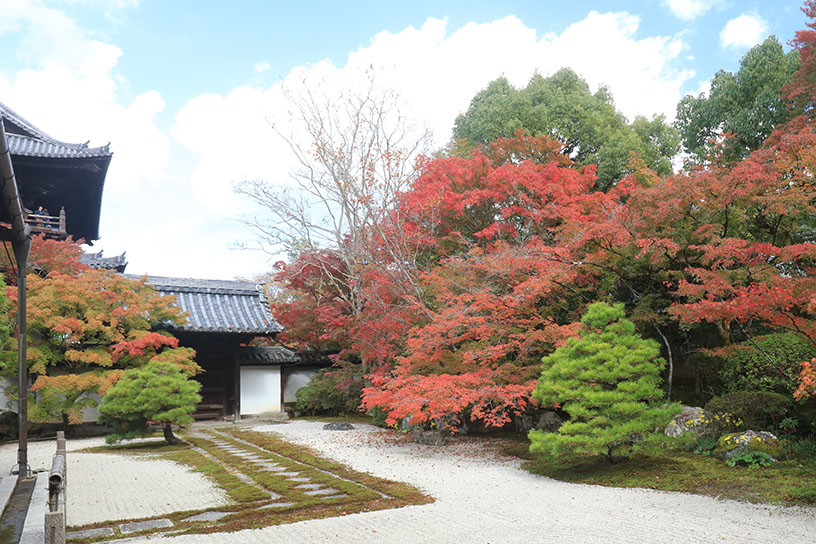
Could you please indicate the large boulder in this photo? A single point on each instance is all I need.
(729, 445)
(338, 426)
(429, 437)
(548, 421)
(691, 419)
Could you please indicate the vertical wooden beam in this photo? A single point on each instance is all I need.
(21, 252)
(282, 387)
(236, 401)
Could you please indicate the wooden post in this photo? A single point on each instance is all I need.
(236, 401)
(62, 222)
(21, 252)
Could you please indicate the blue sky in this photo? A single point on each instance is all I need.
(183, 89)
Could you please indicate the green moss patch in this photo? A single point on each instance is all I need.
(786, 482)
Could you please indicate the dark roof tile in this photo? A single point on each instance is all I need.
(219, 305)
(24, 139)
(267, 355)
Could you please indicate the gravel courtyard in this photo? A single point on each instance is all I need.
(480, 498)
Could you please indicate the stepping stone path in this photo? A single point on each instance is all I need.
(259, 461)
(136, 526)
(90, 533)
(207, 516)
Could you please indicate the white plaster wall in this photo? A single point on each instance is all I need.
(260, 389)
(295, 379)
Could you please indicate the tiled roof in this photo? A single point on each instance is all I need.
(24, 139)
(219, 305)
(266, 355)
(28, 147)
(96, 260)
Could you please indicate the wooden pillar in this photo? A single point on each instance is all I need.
(236, 401)
(21, 252)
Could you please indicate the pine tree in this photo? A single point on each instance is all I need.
(608, 381)
(156, 393)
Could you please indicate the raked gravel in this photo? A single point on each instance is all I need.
(480, 498)
(104, 487)
(483, 498)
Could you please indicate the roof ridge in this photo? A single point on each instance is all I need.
(39, 134)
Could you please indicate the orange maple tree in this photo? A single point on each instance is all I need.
(85, 328)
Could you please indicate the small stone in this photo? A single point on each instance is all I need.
(325, 491)
(137, 526)
(207, 516)
(338, 426)
(309, 486)
(90, 533)
(277, 505)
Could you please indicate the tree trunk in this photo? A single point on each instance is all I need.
(671, 362)
(168, 433)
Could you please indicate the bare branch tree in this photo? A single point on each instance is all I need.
(360, 155)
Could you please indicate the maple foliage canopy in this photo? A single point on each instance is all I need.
(85, 328)
(510, 244)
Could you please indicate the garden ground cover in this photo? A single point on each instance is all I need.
(267, 480)
(786, 483)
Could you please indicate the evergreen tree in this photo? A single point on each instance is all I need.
(156, 393)
(607, 380)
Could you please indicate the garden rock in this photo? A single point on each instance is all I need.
(338, 426)
(429, 438)
(691, 419)
(549, 422)
(733, 444)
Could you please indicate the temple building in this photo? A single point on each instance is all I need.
(59, 194)
(223, 317)
(60, 184)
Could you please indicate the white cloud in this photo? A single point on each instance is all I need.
(261, 67)
(688, 10)
(436, 73)
(743, 32)
(172, 212)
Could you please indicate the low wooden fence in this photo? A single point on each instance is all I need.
(55, 515)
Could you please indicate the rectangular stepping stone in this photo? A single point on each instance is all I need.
(90, 533)
(296, 479)
(309, 486)
(207, 516)
(341, 495)
(317, 492)
(136, 526)
(288, 474)
(277, 505)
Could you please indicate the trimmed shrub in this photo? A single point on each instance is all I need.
(608, 381)
(757, 409)
(334, 391)
(770, 365)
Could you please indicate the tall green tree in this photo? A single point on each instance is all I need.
(562, 106)
(746, 104)
(608, 381)
(158, 392)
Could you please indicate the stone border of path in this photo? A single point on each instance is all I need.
(34, 526)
